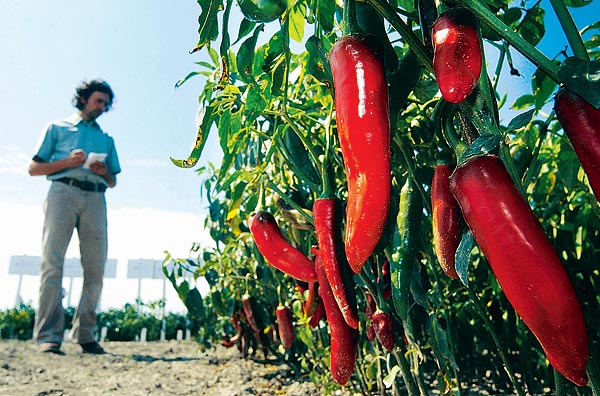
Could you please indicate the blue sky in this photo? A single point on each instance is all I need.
(141, 48)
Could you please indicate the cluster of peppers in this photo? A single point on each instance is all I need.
(478, 193)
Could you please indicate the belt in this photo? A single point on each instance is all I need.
(82, 185)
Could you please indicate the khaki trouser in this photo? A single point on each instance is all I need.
(67, 208)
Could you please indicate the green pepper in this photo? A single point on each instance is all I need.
(262, 11)
(405, 246)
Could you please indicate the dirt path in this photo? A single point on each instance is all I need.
(135, 368)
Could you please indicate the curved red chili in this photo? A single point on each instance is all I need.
(318, 315)
(278, 251)
(524, 262)
(362, 116)
(285, 326)
(325, 229)
(457, 57)
(312, 300)
(382, 325)
(343, 338)
(446, 219)
(581, 123)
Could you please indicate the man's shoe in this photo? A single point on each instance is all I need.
(50, 347)
(93, 348)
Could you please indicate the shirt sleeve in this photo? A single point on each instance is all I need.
(112, 159)
(46, 144)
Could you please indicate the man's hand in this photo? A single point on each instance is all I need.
(76, 158)
(98, 168)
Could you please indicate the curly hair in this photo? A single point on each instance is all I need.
(87, 88)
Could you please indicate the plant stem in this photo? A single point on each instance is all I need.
(290, 202)
(490, 328)
(388, 12)
(527, 50)
(568, 25)
(409, 380)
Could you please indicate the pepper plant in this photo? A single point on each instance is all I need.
(332, 119)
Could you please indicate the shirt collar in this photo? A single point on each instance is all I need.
(76, 119)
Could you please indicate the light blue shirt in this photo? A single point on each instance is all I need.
(62, 137)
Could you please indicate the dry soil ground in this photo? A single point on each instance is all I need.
(142, 368)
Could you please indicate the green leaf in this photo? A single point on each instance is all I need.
(184, 79)
(208, 26)
(255, 103)
(194, 304)
(463, 257)
(245, 29)
(543, 87)
(212, 276)
(511, 16)
(523, 102)
(577, 3)
(245, 56)
(318, 63)
(296, 23)
(583, 78)
(483, 145)
(326, 14)
(389, 379)
(200, 142)
(532, 27)
(439, 343)
(521, 121)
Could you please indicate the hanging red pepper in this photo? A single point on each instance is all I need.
(325, 228)
(318, 315)
(362, 117)
(446, 219)
(382, 324)
(457, 59)
(343, 338)
(277, 250)
(285, 326)
(581, 123)
(524, 262)
(312, 300)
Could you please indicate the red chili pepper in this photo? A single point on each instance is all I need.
(318, 315)
(277, 250)
(312, 300)
(370, 306)
(285, 326)
(371, 332)
(249, 312)
(446, 220)
(343, 338)
(581, 123)
(524, 262)
(382, 324)
(361, 105)
(325, 228)
(457, 59)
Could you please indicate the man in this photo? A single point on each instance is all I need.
(75, 201)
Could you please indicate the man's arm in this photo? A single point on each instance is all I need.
(37, 167)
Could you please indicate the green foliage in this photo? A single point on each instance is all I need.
(17, 322)
(122, 324)
(270, 101)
